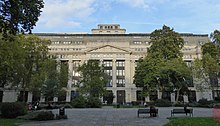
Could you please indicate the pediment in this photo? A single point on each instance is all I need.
(107, 48)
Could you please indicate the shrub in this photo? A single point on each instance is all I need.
(38, 115)
(179, 104)
(94, 102)
(12, 110)
(162, 103)
(44, 115)
(205, 103)
(79, 102)
(67, 105)
(136, 102)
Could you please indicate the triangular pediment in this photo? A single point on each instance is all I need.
(107, 48)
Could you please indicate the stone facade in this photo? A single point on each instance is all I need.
(119, 52)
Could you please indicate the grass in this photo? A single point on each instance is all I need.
(195, 121)
(10, 122)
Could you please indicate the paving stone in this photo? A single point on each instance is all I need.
(115, 117)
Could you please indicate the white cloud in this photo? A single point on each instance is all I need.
(65, 13)
(136, 3)
(145, 4)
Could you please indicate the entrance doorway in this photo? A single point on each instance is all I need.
(121, 96)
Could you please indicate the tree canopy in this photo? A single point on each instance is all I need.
(163, 68)
(19, 15)
(166, 44)
(215, 37)
(93, 80)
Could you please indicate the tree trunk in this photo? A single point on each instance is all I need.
(177, 95)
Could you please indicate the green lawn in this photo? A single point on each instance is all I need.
(9, 122)
(195, 121)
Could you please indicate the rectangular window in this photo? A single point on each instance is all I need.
(107, 63)
(120, 63)
(120, 72)
(120, 82)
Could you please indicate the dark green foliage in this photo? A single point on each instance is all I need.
(79, 102)
(179, 104)
(38, 115)
(163, 67)
(162, 103)
(135, 103)
(44, 115)
(109, 96)
(195, 121)
(67, 105)
(166, 44)
(215, 36)
(93, 80)
(12, 110)
(205, 103)
(19, 15)
(94, 102)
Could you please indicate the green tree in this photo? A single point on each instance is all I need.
(207, 69)
(9, 52)
(34, 51)
(215, 37)
(155, 70)
(54, 80)
(166, 44)
(177, 76)
(93, 79)
(19, 15)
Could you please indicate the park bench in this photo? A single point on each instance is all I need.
(182, 111)
(146, 111)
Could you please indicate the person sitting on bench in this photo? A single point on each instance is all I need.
(153, 112)
(186, 109)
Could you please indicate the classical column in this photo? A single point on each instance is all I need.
(114, 73)
(127, 71)
(69, 85)
(172, 97)
(159, 94)
(42, 98)
(133, 94)
(147, 99)
(132, 69)
(30, 96)
(185, 99)
(114, 91)
(127, 95)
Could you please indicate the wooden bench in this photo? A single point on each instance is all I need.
(146, 111)
(182, 111)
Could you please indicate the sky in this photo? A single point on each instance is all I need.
(136, 16)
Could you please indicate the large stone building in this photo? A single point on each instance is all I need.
(119, 52)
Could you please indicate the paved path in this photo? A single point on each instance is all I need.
(115, 117)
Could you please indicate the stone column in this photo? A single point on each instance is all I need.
(55, 99)
(147, 99)
(133, 95)
(30, 96)
(42, 98)
(114, 73)
(185, 99)
(69, 85)
(132, 69)
(172, 97)
(159, 94)
(127, 71)
(114, 91)
(127, 95)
